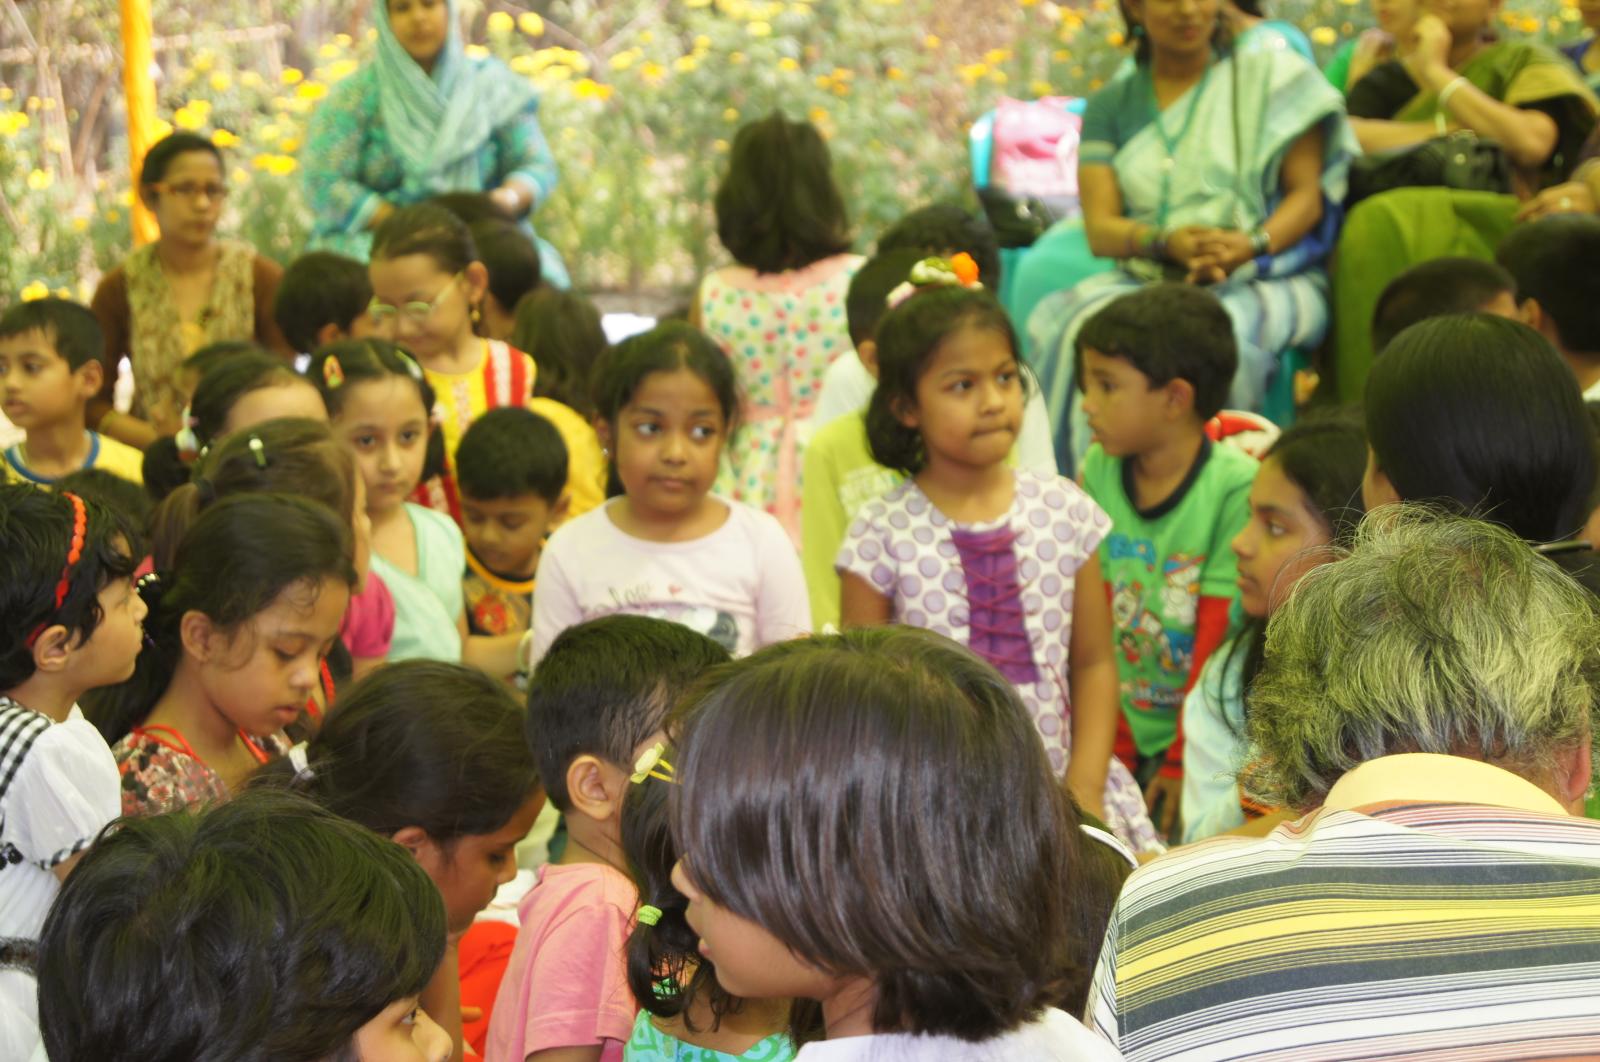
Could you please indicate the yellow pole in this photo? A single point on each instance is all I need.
(138, 60)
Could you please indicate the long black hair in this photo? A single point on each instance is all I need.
(778, 207)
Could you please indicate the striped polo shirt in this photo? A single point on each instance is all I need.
(1434, 908)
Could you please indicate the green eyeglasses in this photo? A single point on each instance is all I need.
(383, 313)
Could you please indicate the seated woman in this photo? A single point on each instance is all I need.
(186, 290)
(1359, 56)
(1211, 164)
(424, 118)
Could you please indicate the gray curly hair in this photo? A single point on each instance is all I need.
(1434, 633)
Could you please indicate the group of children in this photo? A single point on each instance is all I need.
(433, 583)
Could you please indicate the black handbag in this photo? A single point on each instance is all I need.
(1460, 160)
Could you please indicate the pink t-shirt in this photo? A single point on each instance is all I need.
(567, 983)
(368, 626)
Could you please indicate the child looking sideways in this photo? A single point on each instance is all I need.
(49, 370)
(323, 298)
(668, 546)
(997, 558)
(596, 702)
(69, 621)
(512, 471)
(799, 773)
(1156, 365)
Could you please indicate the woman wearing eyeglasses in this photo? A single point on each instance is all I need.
(180, 293)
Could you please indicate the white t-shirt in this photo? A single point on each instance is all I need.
(847, 387)
(741, 584)
(1055, 1037)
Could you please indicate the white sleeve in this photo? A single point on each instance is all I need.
(1102, 1014)
(555, 599)
(783, 608)
(1036, 446)
(847, 386)
(64, 793)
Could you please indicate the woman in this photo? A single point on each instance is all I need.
(1357, 58)
(424, 118)
(1216, 165)
(185, 291)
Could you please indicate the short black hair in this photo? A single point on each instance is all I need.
(867, 299)
(169, 147)
(1554, 260)
(947, 229)
(261, 928)
(127, 499)
(427, 229)
(318, 289)
(1433, 289)
(511, 259)
(778, 207)
(509, 452)
(35, 537)
(667, 347)
(70, 327)
(606, 685)
(807, 774)
(1169, 332)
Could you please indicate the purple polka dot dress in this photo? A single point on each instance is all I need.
(1005, 590)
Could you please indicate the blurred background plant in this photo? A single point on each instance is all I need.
(640, 99)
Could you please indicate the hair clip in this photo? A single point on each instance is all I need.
(960, 271)
(80, 530)
(300, 758)
(651, 765)
(259, 450)
(412, 365)
(648, 915)
(332, 372)
(186, 440)
(146, 581)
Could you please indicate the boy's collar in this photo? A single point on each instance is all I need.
(1181, 491)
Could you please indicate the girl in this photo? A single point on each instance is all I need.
(564, 334)
(428, 290)
(668, 547)
(186, 289)
(1304, 504)
(686, 1014)
(1000, 559)
(238, 628)
(868, 820)
(779, 313)
(237, 392)
(69, 621)
(379, 399)
(430, 755)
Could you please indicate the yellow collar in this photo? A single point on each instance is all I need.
(1426, 776)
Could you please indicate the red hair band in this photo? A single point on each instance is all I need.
(80, 527)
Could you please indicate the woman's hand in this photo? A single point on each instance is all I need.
(1574, 197)
(1221, 252)
(512, 200)
(1372, 47)
(1183, 244)
(1428, 48)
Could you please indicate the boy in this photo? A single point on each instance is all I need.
(511, 470)
(322, 298)
(597, 702)
(262, 928)
(839, 475)
(49, 370)
(1438, 287)
(1554, 261)
(1156, 366)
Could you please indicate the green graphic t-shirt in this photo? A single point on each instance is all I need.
(1158, 564)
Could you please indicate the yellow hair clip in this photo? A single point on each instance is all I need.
(651, 765)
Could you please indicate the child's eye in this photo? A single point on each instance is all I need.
(961, 385)
(702, 432)
(647, 428)
(411, 1016)
(363, 442)
(409, 437)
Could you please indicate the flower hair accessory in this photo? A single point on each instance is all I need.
(80, 529)
(258, 450)
(332, 372)
(651, 765)
(960, 271)
(648, 915)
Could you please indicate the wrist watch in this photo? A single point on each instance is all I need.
(1260, 241)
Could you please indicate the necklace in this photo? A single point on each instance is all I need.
(1169, 143)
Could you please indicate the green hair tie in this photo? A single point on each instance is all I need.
(649, 916)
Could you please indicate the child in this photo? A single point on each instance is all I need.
(323, 298)
(596, 703)
(512, 470)
(564, 333)
(840, 475)
(69, 621)
(236, 393)
(238, 627)
(379, 399)
(1560, 301)
(432, 756)
(125, 498)
(513, 264)
(1001, 560)
(49, 370)
(669, 547)
(1304, 505)
(429, 288)
(1156, 365)
(832, 794)
(685, 1012)
(778, 313)
(265, 928)
(1438, 287)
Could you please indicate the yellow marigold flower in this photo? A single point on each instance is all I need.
(476, 51)
(6, 93)
(339, 70)
(759, 28)
(590, 89)
(971, 72)
(80, 224)
(112, 216)
(624, 59)
(12, 123)
(500, 22)
(1324, 35)
(894, 73)
(996, 56)
(311, 90)
(823, 81)
(289, 145)
(731, 114)
(188, 118)
(35, 290)
(224, 139)
(531, 24)
(39, 180)
(524, 64)
(203, 60)
(931, 41)
(1115, 38)
(277, 165)
(33, 103)
(702, 43)
(291, 76)
(685, 64)
(997, 76)
(717, 145)
(251, 80)
(652, 73)
(1039, 87)
(1529, 25)
(342, 40)
(163, 128)
(221, 82)
(737, 58)
(557, 73)
(817, 115)
(788, 65)
(63, 292)
(331, 50)
(1061, 55)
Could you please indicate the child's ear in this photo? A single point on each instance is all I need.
(867, 351)
(198, 635)
(329, 333)
(477, 277)
(558, 511)
(52, 649)
(1180, 396)
(90, 376)
(905, 411)
(602, 428)
(595, 787)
